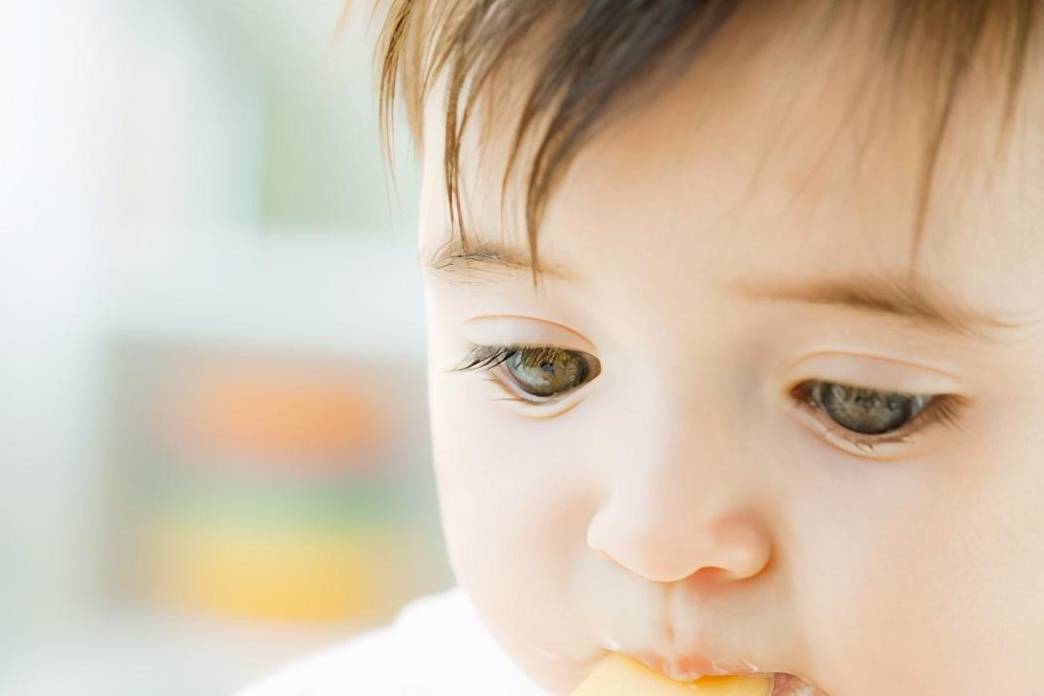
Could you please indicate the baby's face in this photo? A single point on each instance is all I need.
(681, 480)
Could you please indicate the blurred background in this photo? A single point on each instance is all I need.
(212, 405)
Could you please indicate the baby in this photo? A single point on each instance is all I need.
(735, 338)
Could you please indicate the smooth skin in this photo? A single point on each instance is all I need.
(682, 502)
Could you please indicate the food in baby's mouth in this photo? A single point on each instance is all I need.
(619, 675)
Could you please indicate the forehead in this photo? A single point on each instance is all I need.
(780, 151)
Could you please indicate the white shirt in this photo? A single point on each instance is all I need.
(437, 646)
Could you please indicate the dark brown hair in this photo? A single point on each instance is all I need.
(590, 52)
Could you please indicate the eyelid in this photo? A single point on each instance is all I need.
(548, 408)
(506, 329)
(882, 374)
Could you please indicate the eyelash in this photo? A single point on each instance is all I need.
(943, 409)
(488, 357)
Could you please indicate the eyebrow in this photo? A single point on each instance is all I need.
(903, 297)
(486, 263)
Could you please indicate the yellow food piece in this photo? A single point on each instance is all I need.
(619, 675)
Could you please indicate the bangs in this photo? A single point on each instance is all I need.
(573, 66)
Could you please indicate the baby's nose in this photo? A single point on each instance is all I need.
(666, 542)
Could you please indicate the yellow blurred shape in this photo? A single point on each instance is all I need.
(269, 572)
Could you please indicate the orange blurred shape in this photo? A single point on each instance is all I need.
(276, 412)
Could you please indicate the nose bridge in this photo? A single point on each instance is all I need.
(675, 499)
(680, 452)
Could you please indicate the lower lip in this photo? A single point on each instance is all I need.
(782, 684)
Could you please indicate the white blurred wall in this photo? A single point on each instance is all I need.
(201, 171)
(57, 75)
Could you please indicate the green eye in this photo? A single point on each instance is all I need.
(867, 411)
(540, 371)
(547, 371)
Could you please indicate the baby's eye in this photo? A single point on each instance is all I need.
(867, 411)
(544, 372)
(868, 416)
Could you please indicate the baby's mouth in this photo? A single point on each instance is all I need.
(620, 672)
(783, 683)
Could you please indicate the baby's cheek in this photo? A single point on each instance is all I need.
(514, 536)
(989, 556)
(510, 513)
(991, 559)
(953, 607)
